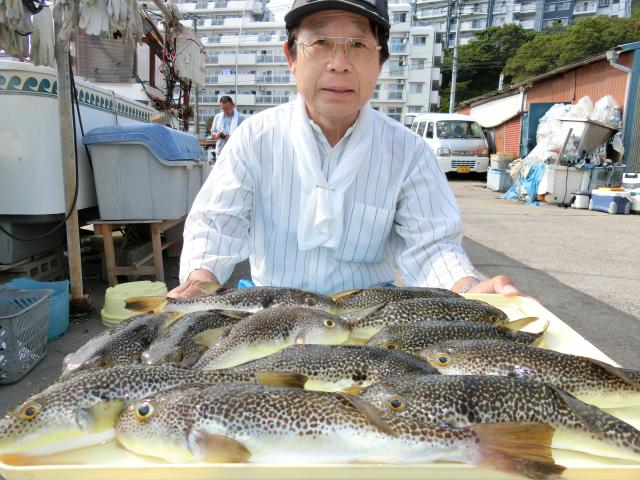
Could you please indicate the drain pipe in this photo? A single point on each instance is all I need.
(612, 56)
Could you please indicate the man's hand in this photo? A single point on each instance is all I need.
(499, 284)
(188, 288)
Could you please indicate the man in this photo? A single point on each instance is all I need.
(225, 123)
(325, 193)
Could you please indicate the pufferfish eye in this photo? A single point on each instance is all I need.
(442, 359)
(144, 411)
(329, 323)
(392, 346)
(30, 410)
(311, 301)
(396, 404)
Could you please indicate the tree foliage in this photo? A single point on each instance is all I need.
(555, 48)
(481, 61)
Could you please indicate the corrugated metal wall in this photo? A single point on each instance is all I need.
(595, 80)
(632, 152)
(512, 136)
(498, 138)
(507, 137)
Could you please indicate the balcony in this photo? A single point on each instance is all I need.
(395, 95)
(271, 58)
(589, 9)
(271, 99)
(394, 48)
(268, 79)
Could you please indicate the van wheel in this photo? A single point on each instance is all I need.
(590, 204)
(613, 208)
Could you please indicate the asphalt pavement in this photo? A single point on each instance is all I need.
(582, 266)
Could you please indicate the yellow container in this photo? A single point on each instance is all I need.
(114, 312)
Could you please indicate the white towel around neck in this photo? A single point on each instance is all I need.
(220, 123)
(321, 219)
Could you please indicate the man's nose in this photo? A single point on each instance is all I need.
(339, 60)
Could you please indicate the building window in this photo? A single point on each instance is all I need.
(420, 40)
(564, 5)
(550, 7)
(399, 17)
(414, 109)
(415, 87)
(417, 64)
(603, 3)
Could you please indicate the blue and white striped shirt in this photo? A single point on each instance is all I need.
(399, 211)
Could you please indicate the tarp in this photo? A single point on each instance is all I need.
(497, 111)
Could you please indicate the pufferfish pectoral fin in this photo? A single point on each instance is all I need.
(213, 448)
(520, 323)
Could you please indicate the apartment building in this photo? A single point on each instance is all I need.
(244, 58)
(476, 15)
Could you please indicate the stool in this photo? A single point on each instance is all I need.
(156, 227)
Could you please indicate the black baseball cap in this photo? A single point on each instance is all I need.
(375, 10)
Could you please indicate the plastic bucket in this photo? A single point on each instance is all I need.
(114, 312)
(581, 200)
(58, 322)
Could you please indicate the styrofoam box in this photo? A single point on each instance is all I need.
(132, 183)
(498, 179)
(144, 171)
(560, 181)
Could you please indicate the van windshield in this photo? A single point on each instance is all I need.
(458, 129)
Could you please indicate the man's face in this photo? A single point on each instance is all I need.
(227, 109)
(334, 89)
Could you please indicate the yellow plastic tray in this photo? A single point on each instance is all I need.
(108, 462)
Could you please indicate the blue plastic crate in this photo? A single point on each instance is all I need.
(58, 303)
(23, 331)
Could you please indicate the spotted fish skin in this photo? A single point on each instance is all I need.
(260, 424)
(175, 344)
(421, 310)
(369, 297)
(65, 420)
(338, 367)
(268, 331)
(591, 381)
(468, 399)
(120, 345)
(252, 300)
(413, 338)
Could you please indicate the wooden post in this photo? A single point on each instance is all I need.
(67, 152)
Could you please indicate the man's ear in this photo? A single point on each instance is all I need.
(290, 60)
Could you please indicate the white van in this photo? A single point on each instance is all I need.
(458, 142)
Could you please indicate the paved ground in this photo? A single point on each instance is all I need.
(583, 266)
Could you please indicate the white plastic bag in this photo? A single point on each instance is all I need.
(607, 111)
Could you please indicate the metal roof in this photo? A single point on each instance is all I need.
(627, 47)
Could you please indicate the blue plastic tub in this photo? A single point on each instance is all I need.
(58, 303)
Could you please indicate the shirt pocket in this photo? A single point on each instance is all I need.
(366, 231)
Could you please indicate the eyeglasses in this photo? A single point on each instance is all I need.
(356, 50)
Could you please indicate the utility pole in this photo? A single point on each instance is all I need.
(454, 69)
(196, 122)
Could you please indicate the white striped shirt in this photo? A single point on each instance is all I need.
(399, 211)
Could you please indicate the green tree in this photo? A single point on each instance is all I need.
(555, 48)
(481, 61)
